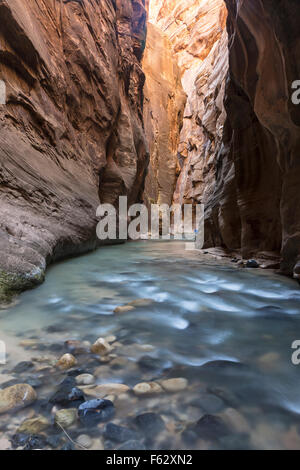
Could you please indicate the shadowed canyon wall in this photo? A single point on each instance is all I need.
(239, 144)
(255, 205)
(71, 132)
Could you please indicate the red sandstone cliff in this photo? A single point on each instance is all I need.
(197, 32)
(255, 205)
(239, 147)
(163, 115)
(71, 132)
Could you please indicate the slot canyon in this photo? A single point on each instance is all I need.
(165, 102)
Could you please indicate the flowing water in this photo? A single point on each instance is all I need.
(225, 329)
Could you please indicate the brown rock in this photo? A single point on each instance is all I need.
(197, 31)
(72, 128)
(66, 417)
(239, 158)
(101, 391)
(34, 425)
(16, 397)
(123, 309)
(174, 385)
(67, 361)
(101, 347)
(147, 388)
(163, 113)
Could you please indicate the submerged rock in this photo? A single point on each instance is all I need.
(84, 440)
(101, 347)
(77, 347)
(16, 397)
(34, 425)
(236, 420)
(209, 403)
(223, 365)
(67, 361)
(132, 305)
(67, 394)
(123, 309)
(28, 442)
(131, 445)
(210, 427)
(67, 446)
(251, 263)
(35, 442)
(174, 385)
(100, 391)
(147, 388)
(95, 411)
(4, 443)
(119, 434)
(269, 361)
(66, 418)
(150, 424)
(111, 339)
(85, 379)
(23, 366)
(140, 302)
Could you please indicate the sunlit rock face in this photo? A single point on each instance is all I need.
(240, 140)
(71, 129)
(163, 114)
(197, 31)
(255, 205)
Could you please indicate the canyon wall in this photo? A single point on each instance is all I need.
(239, 144)
(255, 205)
(163, 114)
(197, 32)
(71, 131)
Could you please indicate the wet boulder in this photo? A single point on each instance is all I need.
(210, 427)
(67, 394)
(96, 411)
(119, 434)
(150, 424)
(16, 397)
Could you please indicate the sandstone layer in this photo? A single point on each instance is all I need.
(71, 131)
(197, 31)
(239, 145)
(163, 114)
(255, 206)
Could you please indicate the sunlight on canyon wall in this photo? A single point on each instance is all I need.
(71, 129)
(239, 143)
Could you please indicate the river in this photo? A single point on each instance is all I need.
(226, 330)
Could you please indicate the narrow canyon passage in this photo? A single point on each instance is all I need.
(149, 344)
(236, 149)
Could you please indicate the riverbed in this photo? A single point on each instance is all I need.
(224, 331)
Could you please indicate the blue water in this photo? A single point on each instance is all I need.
(226, 329)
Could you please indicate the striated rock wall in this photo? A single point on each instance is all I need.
(71, 132)
(197, 31)
(163, 114)
(255, 206)
(240, 140)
